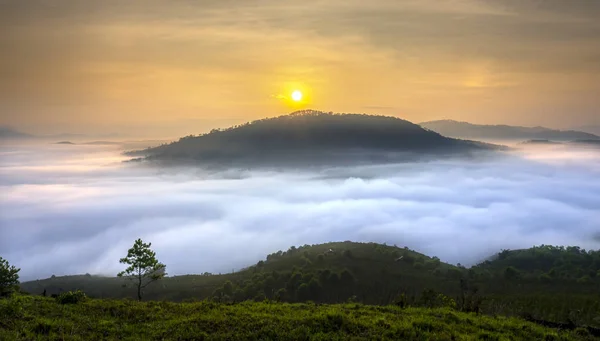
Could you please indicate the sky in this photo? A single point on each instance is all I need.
(77, 209)
(171, 68)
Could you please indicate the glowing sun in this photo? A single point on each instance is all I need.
(297, 96)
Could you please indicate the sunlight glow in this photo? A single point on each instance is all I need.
(297, 96)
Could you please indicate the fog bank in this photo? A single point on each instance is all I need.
(76, 209)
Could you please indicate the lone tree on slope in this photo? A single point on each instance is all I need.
(143, 267)
(9, 278)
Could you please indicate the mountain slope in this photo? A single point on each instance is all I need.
(503, 132)
(311, 136)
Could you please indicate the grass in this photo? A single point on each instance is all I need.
(42, 318)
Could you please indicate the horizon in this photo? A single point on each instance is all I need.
(592, 129)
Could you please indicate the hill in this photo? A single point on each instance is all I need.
(503, 132)
(313, 137)
(7, 133)
(540, 142)
(40, 318)
(512, 283)
(592, 129)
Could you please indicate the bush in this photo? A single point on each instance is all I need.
(71, 297)
(11, 308)
(9, 278)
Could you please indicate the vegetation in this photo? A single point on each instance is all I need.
(143, 267)
(9, 278)
(41, 318)
(308, 137)
(543, 283)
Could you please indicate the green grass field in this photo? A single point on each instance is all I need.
(42, 318)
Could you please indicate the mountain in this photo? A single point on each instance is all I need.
(7, 133)
(312, 136)
(503, 132)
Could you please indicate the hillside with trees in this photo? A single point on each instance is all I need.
(512, 283)
(312, 137)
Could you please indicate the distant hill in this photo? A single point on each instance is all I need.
(65, 142)
(312, 136)
(7, 133)
(541, 142)
(503, 132)
(592, 129)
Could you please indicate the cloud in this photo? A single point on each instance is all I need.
(76, 209)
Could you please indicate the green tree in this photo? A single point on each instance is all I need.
(143, 267)
(9, 278)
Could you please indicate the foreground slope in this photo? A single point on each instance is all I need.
(312, 136)
(39, 318)
(503, 132)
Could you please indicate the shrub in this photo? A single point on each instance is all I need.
(9, 278)
(71, 297)
(11, 308)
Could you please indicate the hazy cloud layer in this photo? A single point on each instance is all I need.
(75, 209)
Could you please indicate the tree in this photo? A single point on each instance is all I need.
(143, 268)
(9, 278)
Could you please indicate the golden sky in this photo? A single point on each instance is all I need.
(181, 66)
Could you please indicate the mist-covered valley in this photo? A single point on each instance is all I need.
(69, 209)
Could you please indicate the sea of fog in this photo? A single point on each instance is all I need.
(77, 209)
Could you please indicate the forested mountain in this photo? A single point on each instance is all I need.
(545, 282)
(503, 132)
(312, 136)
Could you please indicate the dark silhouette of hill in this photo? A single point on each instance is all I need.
(312, 136)
(546, 282)
(592, 129)
(7, 133)
(540, 142)
(503, 132)
(65, 142)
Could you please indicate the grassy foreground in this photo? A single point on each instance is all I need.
(41, 318)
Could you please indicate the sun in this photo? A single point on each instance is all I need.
(297, 96)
